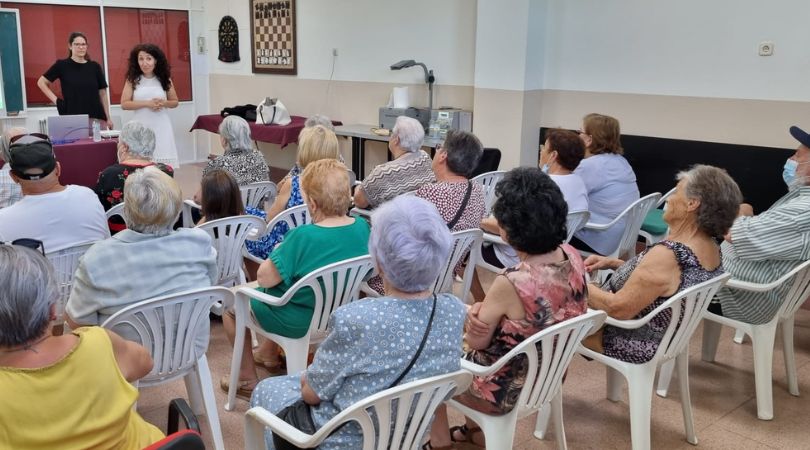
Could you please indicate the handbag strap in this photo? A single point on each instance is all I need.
(418, 350)
(463, 206)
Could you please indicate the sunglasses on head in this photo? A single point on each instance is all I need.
(33, 244)
(37, 135)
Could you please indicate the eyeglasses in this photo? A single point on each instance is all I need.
(76, 44)
(33, 244)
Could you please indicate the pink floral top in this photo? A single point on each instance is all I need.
(550, 293)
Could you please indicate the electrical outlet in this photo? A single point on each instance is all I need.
(765, 48)
(334, 52)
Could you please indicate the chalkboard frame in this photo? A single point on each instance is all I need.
(13, 83)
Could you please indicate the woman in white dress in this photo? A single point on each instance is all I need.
(148, 91)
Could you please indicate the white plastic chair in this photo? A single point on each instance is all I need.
(64, 263)
(253, 195)
(228, 238)
(464, 242)
(333, 286)
(117, 210)
(293, 217)
(687, 308)
(633, 216)
(762, 336)
(396, 418)
(549, 353)
(651, 239)
(488, 180)
(169, 327)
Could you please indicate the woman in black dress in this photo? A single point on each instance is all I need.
(84, 89)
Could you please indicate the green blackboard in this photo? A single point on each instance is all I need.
(10, 60)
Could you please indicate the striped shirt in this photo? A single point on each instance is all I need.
(766, 247)
(407, 173)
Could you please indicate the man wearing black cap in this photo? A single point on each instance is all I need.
(762, 248)
(59, 216)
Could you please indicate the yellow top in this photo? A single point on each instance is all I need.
(80, 402)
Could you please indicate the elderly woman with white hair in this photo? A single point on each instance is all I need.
(409, 170)
(241, 159)
(10, 191)
(146, 260)
(77, 383)
(360, 357)
(136, 146)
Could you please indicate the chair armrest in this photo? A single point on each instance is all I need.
(599, 226)
(188, 206)
(637, 323)
(757, 287)
(493, 238)
(272, 300)
(179, 409)
(284, 429)
(361, 212)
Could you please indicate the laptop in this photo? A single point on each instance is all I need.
(67, 129)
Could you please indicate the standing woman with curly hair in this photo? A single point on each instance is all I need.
(148, 91)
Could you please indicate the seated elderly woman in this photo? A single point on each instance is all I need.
(409, 170)
(136, 145)
(62, 391)
(314, 144)
(241, 159)
(220, 196)
(331, 237)
(545, 287)
(409, 243)
(609, 179)
(699, 214)
(146, 260)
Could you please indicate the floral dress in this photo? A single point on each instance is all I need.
(264, 246)
(639, 345)
(550, 293)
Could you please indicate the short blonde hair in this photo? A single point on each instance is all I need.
(326, 182)
(315, 143)
(152, 201)
(604, 132)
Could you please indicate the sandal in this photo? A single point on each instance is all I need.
(428, 446)
(274, 367)
(468, 433)
(244, 387)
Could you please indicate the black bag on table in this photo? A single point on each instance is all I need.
(247, 112)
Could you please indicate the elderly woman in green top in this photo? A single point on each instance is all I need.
(331, 237)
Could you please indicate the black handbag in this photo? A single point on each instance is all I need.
(299, 414)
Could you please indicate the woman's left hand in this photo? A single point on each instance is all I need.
(475, 326)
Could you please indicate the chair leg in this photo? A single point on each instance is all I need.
(559, 427)
(739, 336)
(194, 391)
(682, 362)
(711, 337)
(614, 384)
(790, 356)
(762, 339)
(640, 386)
(499, 434)
(296, 357)
(202, 375)
(664, 378)
(236, 362)
(541, 426)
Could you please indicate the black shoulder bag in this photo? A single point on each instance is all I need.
(461, 208)
(299, 414)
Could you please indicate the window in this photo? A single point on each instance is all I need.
(127, 27)
(45, 30)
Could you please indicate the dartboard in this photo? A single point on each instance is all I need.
(228, 40)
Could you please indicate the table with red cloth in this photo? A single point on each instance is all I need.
(274, 134)
(84, 159)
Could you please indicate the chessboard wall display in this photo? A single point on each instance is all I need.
(273, 37)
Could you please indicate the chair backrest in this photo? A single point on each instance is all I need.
(574, 221)
(396, 418)
(634, 216)
(661, 201)
(488, 180)
(293, 217)
(64, 263)
(490, 160)
(169, 327)
(463, 242)
(334, 286)
(687, 308)
(228, 237)
(117, 210)
(549, 352)
(255, 194)
(799, 290)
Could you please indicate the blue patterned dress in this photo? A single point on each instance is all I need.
(264, 246)
(639, 345)
(370, 343)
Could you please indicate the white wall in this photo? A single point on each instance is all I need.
(688, 48)
(370, 35)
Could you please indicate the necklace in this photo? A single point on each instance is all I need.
(27, 346)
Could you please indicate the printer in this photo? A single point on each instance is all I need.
(389, 114)
(436, 122)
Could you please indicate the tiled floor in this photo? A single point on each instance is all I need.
(722, 398)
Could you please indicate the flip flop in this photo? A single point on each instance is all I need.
(429, 446)
(243, 390)
(468, 433)
(275, 368)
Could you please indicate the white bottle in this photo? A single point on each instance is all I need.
(96, 131)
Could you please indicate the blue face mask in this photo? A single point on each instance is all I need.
(789, 172)
(544, 168)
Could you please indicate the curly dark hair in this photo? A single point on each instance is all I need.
(162, 68)
(531, 210)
